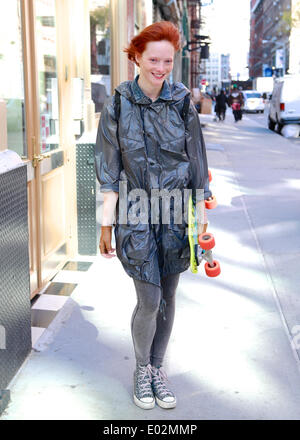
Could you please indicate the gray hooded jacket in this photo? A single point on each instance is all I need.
(149, 150)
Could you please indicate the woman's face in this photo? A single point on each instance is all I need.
(156, 62)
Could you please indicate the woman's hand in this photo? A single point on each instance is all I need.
(105, 242)
(109, 204)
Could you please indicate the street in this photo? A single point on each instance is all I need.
(234, 349)
(262, 119)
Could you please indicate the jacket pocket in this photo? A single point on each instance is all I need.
(175, 146)
(133, 243)
(177, 241)
(128, 145)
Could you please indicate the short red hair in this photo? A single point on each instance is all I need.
(161, 30)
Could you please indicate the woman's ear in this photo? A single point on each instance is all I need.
(137, 57)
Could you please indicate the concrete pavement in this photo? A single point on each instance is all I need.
(230, 355)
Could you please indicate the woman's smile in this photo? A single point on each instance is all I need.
(158, 76)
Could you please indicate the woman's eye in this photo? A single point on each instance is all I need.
(154, 60)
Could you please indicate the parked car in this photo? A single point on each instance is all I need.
(285, 102)
(253, 101)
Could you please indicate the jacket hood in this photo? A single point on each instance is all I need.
(170, 92)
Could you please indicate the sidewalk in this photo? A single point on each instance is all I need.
(230, 353)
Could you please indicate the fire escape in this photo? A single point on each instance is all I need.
(194, 10)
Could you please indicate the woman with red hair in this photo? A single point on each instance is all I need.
(150, 143)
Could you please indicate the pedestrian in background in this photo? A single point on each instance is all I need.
(147, 145)
(220, 108)
(236, 101)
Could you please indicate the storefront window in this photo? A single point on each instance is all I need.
(47, 74)
(11, 75)
(137, 27)
(100, 51)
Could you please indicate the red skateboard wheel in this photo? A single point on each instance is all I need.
(206, 241)
(211, 204)
(213, 271)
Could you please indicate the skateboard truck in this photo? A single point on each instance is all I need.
(207, 242)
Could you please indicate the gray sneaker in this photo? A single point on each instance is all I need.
(165, 398)
(143, 394)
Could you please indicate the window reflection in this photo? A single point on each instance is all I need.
(11, 75)
(47, 71)
(100, 52)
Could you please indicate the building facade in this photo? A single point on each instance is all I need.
(225, 68)
(215, 71)
(256, 37)
(194, 13)
(270, 37)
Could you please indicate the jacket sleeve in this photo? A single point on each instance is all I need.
(196, 152)
(108, 161)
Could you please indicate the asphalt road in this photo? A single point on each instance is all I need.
(262, 119)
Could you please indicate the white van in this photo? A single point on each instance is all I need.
(285, 103)
(253, 101)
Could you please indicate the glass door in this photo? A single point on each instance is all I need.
(46, 42)
(49, 217)
(11, 75)
(49, 158)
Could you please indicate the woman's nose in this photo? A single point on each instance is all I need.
(160, 67)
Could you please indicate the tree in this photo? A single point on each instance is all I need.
(292, 18)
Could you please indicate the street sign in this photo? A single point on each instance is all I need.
(203, 82)
(267, 71)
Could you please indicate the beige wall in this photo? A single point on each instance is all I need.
(119, 64)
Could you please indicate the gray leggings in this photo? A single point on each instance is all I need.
(152, 319)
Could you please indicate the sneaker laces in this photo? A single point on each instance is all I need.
(144, 375)
(159, 378)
